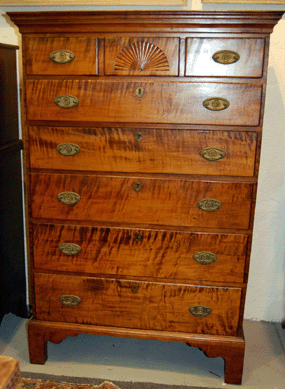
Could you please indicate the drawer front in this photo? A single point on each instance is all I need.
(140, 252)
(224, 57)
(141, 56)
(61, 56)
(143, 150)
(134, 304)
(144, 102)
(141, 200)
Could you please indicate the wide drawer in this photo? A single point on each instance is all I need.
(61, 56)
(139, 252)
(141, 56)
(140, 200)
(143, 150)
(224, 57)
(144, 102)
(137, 304)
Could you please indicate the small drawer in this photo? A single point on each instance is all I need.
(137, 304)
(140, 252)
(224, 57)
(143, 150)
(141, 56)
(61, 56)
(144, 102)
(139, 200)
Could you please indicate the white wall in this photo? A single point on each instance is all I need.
(266, 289)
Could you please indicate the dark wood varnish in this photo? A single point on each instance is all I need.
(142, 84)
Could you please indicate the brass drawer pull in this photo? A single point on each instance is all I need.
(209, 205)
(137, 187)
(135, 288)
(216, 103)
(226, 57)
(69, 248)
(204, 257)
(68, 198)
(62, 56)
(70, 300)
(66, 101)
(212, 154)
(139, 91)
(67, 149)
(138, 136)
(200, 311)
(137, 236)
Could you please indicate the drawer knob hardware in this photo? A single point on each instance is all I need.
(137, 187)
(68, 198)
(226, 57)
(200, 310)
(69, 248)
(67, 149)
(216, 103)
(66, 101)
(70, 300)
(212, 154)
(138, 136)
(209, 205)
(62, 56)
(141, 56)
(135, 288)
(140, 91)
(205, 257)
(137, 237)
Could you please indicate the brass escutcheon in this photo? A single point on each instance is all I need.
(68, 149)
(216, 103)
(212, 154)
(138, 136)
(70, 300)
(200, 311)
(135, 288)
(137, 187)
(204, 257)
(137, 236)
(140, 91)
(66, 101)
(226, 57)
(62, 56)
(68, 198)
(69, 248)
(209, 205)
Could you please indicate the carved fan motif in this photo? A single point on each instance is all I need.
(141, 56)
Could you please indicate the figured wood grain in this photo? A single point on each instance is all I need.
(162, 102)
(167, 48)
(154, 306)
(156, 253)
(158, 151)
(160, 201)
(199, 53)
(38, 50)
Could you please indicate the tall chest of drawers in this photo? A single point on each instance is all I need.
(143, 134)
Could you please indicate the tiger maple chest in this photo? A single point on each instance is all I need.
(143, 134)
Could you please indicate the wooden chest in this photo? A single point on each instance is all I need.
(143, 134)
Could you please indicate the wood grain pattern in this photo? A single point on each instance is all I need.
(154, 306)
(160, 201)
(138, 62)
(158, 151)
(38, 50)
(199, 61)
(162, 102)
(157, 253)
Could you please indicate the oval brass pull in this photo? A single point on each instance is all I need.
(66, 101)
(137, 186)
(68, 198)
(69, 248)
(209, 205)
(139, 91)
(62, 56)
(200, 310)
(138, 136)
(204, 257)
(137, 236)
(216, 103)
(67, 149)
(70, 300)
(226, 57)
(135, 288)
(212, 154)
